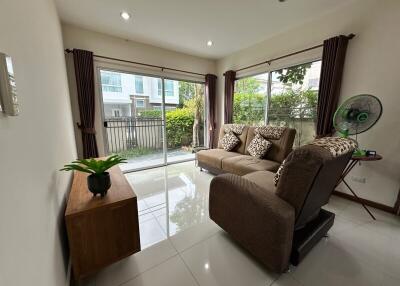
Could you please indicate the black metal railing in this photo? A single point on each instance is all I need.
(124, 133)
(146, 134)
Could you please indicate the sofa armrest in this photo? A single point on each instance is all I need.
(256, 218)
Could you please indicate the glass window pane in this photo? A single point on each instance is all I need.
(139, 103)
(110, 81)
(294, 96)
(169, 87)
(139, 84)
(250, 99)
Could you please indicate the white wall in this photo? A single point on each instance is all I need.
(110, 46)
(372, 66)
(33, 146)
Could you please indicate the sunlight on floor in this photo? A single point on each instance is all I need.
(170, 199)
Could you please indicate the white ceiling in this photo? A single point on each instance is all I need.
(186, 25)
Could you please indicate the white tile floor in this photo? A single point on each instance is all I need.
(183, 247)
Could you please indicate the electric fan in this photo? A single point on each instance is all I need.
(356, 115)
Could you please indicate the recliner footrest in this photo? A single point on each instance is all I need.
(307, 237)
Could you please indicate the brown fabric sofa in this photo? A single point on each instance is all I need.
(282, 223)
(239, 162)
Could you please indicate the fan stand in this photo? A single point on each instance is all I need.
(358, 152)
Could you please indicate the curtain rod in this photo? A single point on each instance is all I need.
(350, 36)
(142, 64)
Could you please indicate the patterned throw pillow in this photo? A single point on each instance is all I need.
(235, 128)
(270, 132)
(337, 146)
(229, 141)
(278, 173)
(259, 146)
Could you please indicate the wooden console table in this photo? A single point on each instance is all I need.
(101, 230)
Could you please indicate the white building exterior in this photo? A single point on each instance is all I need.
(127, 94)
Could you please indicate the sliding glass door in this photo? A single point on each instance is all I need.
(185, 118)
(149, 120)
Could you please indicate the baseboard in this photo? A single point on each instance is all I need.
(366, 202)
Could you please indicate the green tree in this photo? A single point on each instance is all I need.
(247, 85)
(186, 91)
(191, 96)
(249, 108)
(293, 75)
(196, 105)
(248, 102)
(293, 104)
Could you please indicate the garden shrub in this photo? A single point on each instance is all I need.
(248, 108)
(179, 127)
(150, 113)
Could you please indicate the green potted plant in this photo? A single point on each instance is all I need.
(99, 180)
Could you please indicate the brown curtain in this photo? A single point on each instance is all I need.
(230, 77)
(84, 74)
(210, 91)
(333, 56)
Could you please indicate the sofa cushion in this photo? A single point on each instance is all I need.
(264, 179)
(213, 157)
(298, 174)
(278, 173)
(337, 146)
(241, 147)
(270, 132)
(244, 164)
(229, 141)
(280, 148)
(235, 128)
(259, 146)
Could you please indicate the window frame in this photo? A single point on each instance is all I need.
(140, 100)
(163, 75)
(269, 83)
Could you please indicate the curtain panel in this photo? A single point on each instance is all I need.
(230, 77)
(333, 56)
(210, 91)
(84, 74)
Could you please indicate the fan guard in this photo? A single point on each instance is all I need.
(357, 114)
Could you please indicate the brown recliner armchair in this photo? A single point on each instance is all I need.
(280, 224)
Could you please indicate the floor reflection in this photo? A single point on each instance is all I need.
(170, 199)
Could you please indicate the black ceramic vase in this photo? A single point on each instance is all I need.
(99, 183)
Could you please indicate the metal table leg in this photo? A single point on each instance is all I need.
(346, 171)
(358, 199)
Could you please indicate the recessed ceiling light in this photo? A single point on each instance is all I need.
(125, 15)
(209, 43)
